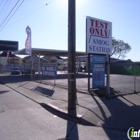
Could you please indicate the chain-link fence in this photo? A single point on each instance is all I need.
(125, 77)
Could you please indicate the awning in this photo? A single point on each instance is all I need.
(48, 52)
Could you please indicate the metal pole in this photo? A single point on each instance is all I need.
(71, 56)
(39, 64)
(76, 64)
(32, 67)
(39, 69)
(134, 78)
(88, 72)
(55, 75)
(108, 75)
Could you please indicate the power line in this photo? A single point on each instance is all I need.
(3, 6)
(29, 14)
(9, 13)
(33, 12)
(6, 10)
(24, 16)
(12, 15)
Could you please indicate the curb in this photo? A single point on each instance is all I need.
(67, 114)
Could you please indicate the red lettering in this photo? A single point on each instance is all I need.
(97, 24)
(92, 22)
(91, 30)
(102, 24)
(106, 33)
(106, 25)
(97, 31)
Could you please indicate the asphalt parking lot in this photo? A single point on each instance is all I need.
(122, 84)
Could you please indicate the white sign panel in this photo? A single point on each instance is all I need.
(98, 36)
(49, 70)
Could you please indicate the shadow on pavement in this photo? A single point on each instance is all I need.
(44, 91)
(14, 78)
(4, 91)
(118, 114)
(72, 129)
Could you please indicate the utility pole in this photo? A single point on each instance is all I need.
(71, 56)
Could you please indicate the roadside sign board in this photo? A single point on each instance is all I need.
(49, 70)
(98, 36)
(98, 71)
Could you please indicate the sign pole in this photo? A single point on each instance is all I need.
(88, 72)
(32, 66)
(108, 75)
(134, 78)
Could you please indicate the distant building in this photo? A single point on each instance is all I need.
(57, 60)
(45, 60)
(9, 61)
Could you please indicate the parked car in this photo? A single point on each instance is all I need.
(16, 71)
(28, 72)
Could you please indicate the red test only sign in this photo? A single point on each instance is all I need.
(98, 36)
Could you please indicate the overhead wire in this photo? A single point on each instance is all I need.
(3, 6)
(32, 12)
(12, 15)
(6, 10)
(9, 13)
(23, 17)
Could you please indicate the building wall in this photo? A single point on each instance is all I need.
(13, 62)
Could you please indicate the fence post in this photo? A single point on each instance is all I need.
(88, 72)
(134, 78)
(32, 67)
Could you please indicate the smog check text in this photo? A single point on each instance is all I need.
(98, 67)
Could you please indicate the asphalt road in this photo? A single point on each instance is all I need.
(24, 119)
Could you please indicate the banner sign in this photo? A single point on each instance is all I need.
(98, 71)
(49, 70)
(98, 36)
(28, 48)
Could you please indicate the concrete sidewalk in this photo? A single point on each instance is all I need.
(119, 113)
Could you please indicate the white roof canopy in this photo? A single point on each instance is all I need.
(49, 52)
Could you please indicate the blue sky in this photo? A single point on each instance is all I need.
(49, 23)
